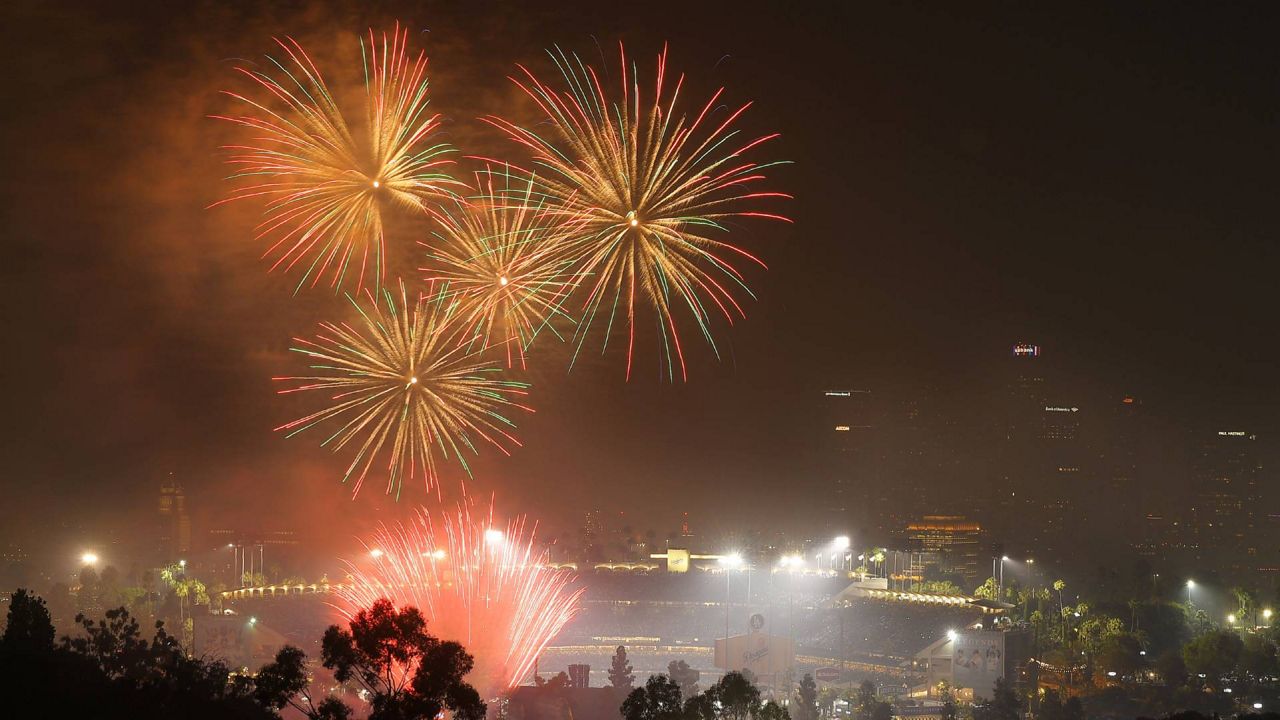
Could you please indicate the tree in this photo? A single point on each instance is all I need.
(864, 705)
(659, 699)
(1051, 706)
(735, 696)
(118, 673)
(1213, 653)
(379, 648)
(1073, 709)
(1172, 669)
(1004, 704)
(684, 676)
(620, 676)
(772, 711)
(28, 629)
(284, 682)
(1257, 657)
(1120, 653)
(882, 711)
(807, 699)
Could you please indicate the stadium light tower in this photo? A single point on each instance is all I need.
(729, 562)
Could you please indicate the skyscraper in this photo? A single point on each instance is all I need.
(848, 447)
(173, 522)
(1225, 497)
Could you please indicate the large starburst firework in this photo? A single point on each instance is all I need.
(324, 188)
(477, 583)
(643, 188)
(502, 255)
(404, 389)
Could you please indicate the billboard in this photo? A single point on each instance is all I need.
(757, 651)
(977, 660)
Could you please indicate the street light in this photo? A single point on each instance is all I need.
(88, 558)
(1190, 585)
(951, 635)
(1231, 619)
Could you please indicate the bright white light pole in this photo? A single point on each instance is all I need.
(729, 562)
(1190, 585)
(839, 546)
(88, 558)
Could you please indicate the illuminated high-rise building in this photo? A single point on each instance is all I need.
(173, 522)
(1225, 497)
(848, 450)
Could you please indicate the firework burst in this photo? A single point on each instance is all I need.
(504, 261)
(476, 583)
(324, 189)
(403, 389)
(642, 188)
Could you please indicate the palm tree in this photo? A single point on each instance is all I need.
(1244, 601)
(1062, 611)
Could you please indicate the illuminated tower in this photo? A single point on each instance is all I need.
(173, 522)
(848, 450)
(1225, 497)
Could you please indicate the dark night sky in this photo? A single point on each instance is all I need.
(1100, 181)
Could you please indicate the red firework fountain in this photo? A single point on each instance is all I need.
(476, 583)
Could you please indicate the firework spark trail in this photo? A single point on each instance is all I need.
(505, 262)
(476, 583)
(323, 187)
(404, 377)
(641, 189)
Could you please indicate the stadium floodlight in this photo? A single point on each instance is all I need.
(731, 561)
(89, 558)
(841, 542)
(493, 536)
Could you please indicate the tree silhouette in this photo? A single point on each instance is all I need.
(735, 696)
(807, 699)
(1213, 653)
(659, 699)
(1004, 704)
(684, 676)
(410, 673)
(620, 676)
(284, 682)
(29, 630)
(865, 703)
